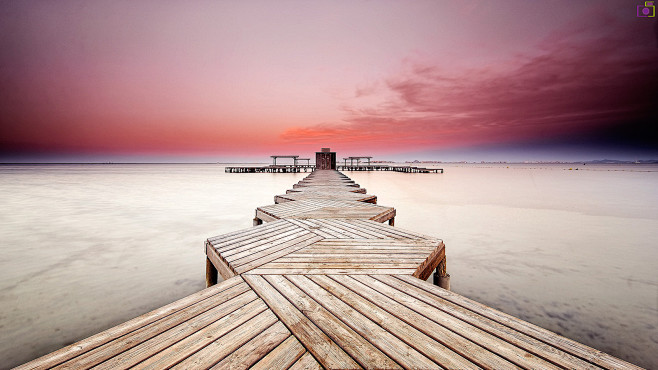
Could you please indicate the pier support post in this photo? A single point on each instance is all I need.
(441, 277)
(211, 273)
(391, 221)
(257, 221)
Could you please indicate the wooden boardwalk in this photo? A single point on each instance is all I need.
(306, 168)
(322, 292)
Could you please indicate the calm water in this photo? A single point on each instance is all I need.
(85, 247)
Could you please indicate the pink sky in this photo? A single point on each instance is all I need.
(245, 79)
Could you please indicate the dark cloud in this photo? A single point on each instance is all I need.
(596, 81)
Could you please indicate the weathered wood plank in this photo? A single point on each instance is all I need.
(201, 338)
(223, 267)
(227, 344)
(283, 356)
(240, 241)
(128, 351)
(265, 216)
(306, 362)
(426, 268)
(317, 342)
(252, 351)
(233, 236)
(476, 345)
(514, 337)
(574, 348)
(263, 250)
(263, 242)
(408, 346)
(340, 265)
(327, 271)
(351, 342)
(276, 253)
(311, 228)
(351, 257)
(52, 359)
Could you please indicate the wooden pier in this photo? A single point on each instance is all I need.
(323, 282)
(375, 167)
(270, 169)
(306, 168)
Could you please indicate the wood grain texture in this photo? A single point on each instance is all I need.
(325, 350)
(85, 345)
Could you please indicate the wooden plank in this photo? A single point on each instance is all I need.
(327, 188)
(350, 341)
(201, 338)
(408, 346)
(264, 242)
(394, 232)
(311, 228)
(472, 343)
(306, 362)
(283, 356)
(322, 250)
(265, 216)
(327, 271)
(277, 253)
(369, 234)
(317, 342)
(227, 344)
(340, 265)
(340, 229)
(426, 268)
(52, 359)
(342, 195)
(130, 350)
(384, 216)
(240, 241)
(574, 348)
(516, 338)
(361, 298)
(232, 236)
(306, 256)
(223, 267)
(247, 251)
(395, 243)
(252, 351)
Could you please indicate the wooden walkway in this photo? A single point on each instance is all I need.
(334, 293)
(306, 168)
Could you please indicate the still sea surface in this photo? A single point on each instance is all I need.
(86, 247)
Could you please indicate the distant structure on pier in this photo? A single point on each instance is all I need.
(325, 159)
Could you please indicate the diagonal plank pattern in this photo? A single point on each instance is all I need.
(304, 291)
(320, 194)
(319, 208)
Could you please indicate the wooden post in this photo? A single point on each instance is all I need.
(391, 221)
(441, 277)
(211, 273)
(257, 221)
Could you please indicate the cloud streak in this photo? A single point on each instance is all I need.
(589, 78)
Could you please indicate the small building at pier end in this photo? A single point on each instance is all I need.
(325, 159)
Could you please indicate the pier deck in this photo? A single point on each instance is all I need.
(325, 293)
(345, 195)
(325, 208)
(306, 168)
(318, 246)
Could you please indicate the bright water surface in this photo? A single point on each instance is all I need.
(86, 247)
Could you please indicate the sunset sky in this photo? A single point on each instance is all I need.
(240, 80)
